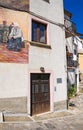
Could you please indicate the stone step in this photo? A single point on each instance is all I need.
(16, 118)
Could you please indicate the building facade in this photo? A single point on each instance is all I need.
(35, 82)
(73, 51)
(73, 43)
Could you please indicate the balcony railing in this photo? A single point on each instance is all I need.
(69, 52)
(70, 27)
(71, 63)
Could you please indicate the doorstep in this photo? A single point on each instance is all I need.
(18, 118)
(9, 117)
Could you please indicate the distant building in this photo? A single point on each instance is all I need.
(72, 43)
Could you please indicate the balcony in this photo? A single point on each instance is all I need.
(71, 63)
(68, 53)
(70, 27)
(75, 63)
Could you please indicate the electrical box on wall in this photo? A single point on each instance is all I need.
(59, 80)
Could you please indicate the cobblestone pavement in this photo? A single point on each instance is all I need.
(66, 120)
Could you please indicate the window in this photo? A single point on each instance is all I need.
(39, 32)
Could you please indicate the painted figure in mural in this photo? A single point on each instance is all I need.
(10, 27)
(10, 41)
(15, 38)
(5, 32)
(18, 35)
(1, 33)
(10, 37)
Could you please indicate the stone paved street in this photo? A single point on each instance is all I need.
(66, 120)
(74, 122)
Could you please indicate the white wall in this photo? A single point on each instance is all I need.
(51, 59)
(78, 42)
(52, 10)
(13, 80)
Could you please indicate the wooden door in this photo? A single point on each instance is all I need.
(40, 93)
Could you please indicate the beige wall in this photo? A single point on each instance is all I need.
(81, 61)
(15, 16)
(81, 66)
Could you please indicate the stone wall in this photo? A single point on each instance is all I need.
(14, 105)
(61, 105)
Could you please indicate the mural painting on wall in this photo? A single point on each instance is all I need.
(13, 48)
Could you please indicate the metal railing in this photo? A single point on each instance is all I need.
(72, 63)
(70, 26)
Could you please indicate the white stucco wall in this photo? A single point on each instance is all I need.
(78, 42)
(13, 80)
(53, 60)
(52, 10)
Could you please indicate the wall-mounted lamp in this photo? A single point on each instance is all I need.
(42, 69)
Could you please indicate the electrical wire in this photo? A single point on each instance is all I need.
(43, 18)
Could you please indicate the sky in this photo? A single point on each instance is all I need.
(76, 8)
